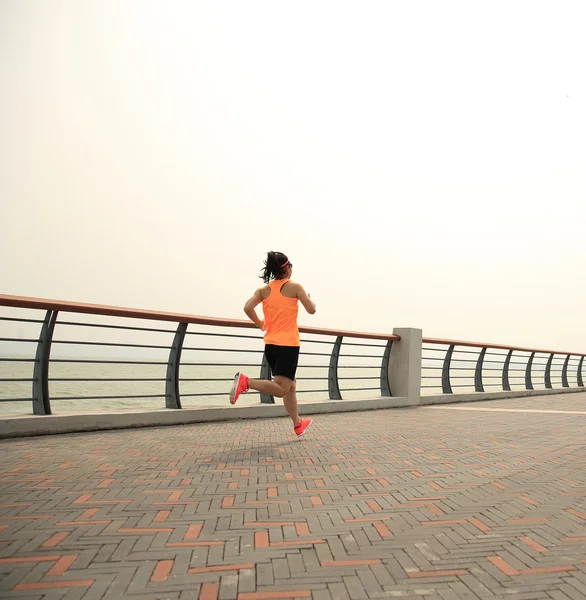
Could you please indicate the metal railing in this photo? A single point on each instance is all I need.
(188, 362)
(452, 366)
(353, 369)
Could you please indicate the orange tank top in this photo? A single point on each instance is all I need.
(280, 315)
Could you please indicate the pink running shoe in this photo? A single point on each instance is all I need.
(240, 386)
(303, 425)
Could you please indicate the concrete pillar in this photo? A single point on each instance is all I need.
(405, 365)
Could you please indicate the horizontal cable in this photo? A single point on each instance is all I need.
(556, 357)
(123, 327)
(205, 379)
(17, 379)
(18, 320)
(357, 366)
(110, 344)
(8, 359)
(98, 361)
(311, 378)
(223, 350)
(198, 364)
(493, 362)
(158, 330)
(364, 345)
(554, 361)
(313, 391)
(558, 362)
(519, 363)
(464, 360)
(358, 389)
(15, 399)
(228, 335)
(118, 397)
(506, 352)
(26, 340)
(202, 394)
(347, 378)
(526, 351)
(107, 379)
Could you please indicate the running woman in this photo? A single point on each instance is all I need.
(279, 298)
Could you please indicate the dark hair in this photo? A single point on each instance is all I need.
(275, 266)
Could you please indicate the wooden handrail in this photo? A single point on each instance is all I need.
(442, 341)
(138, 313)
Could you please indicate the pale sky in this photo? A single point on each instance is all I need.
(423, 164)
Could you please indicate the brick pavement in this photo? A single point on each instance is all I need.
(432, 502)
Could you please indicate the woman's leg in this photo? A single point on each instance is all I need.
(278, 388)
(289, 397)
(290, 402)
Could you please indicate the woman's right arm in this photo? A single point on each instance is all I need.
(304, 298)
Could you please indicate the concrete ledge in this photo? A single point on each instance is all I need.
(22, 426)
(476, 397)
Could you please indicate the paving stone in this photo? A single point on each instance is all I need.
(426, 503)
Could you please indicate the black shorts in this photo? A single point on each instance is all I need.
(282, 360)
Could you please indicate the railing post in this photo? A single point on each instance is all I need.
(528, 381)
(580, 380)
(548, 372)
(565, 372)
(172, 397)
(506, 384)
(385, 386)
(405, 365)
(333, 384)
(41, 399)
(446, 385)
(478, 372)
(265, 373)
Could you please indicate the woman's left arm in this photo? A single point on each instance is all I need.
(249, 309)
